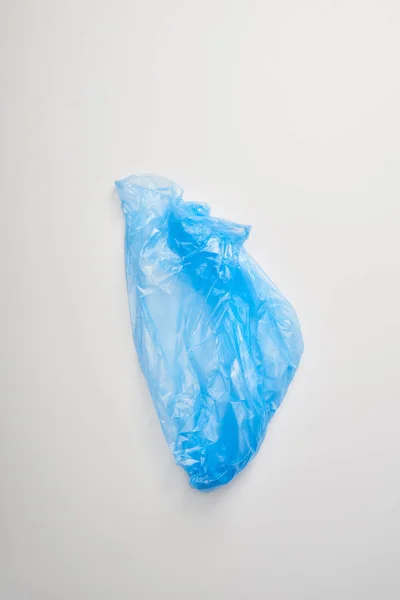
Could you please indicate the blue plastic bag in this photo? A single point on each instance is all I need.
(217, 342)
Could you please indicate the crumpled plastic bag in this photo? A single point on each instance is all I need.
(217, 342)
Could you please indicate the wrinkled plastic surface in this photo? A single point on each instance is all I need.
(217, 342)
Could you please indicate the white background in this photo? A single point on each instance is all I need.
(281, 114)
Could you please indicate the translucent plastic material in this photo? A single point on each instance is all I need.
(217, 342)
